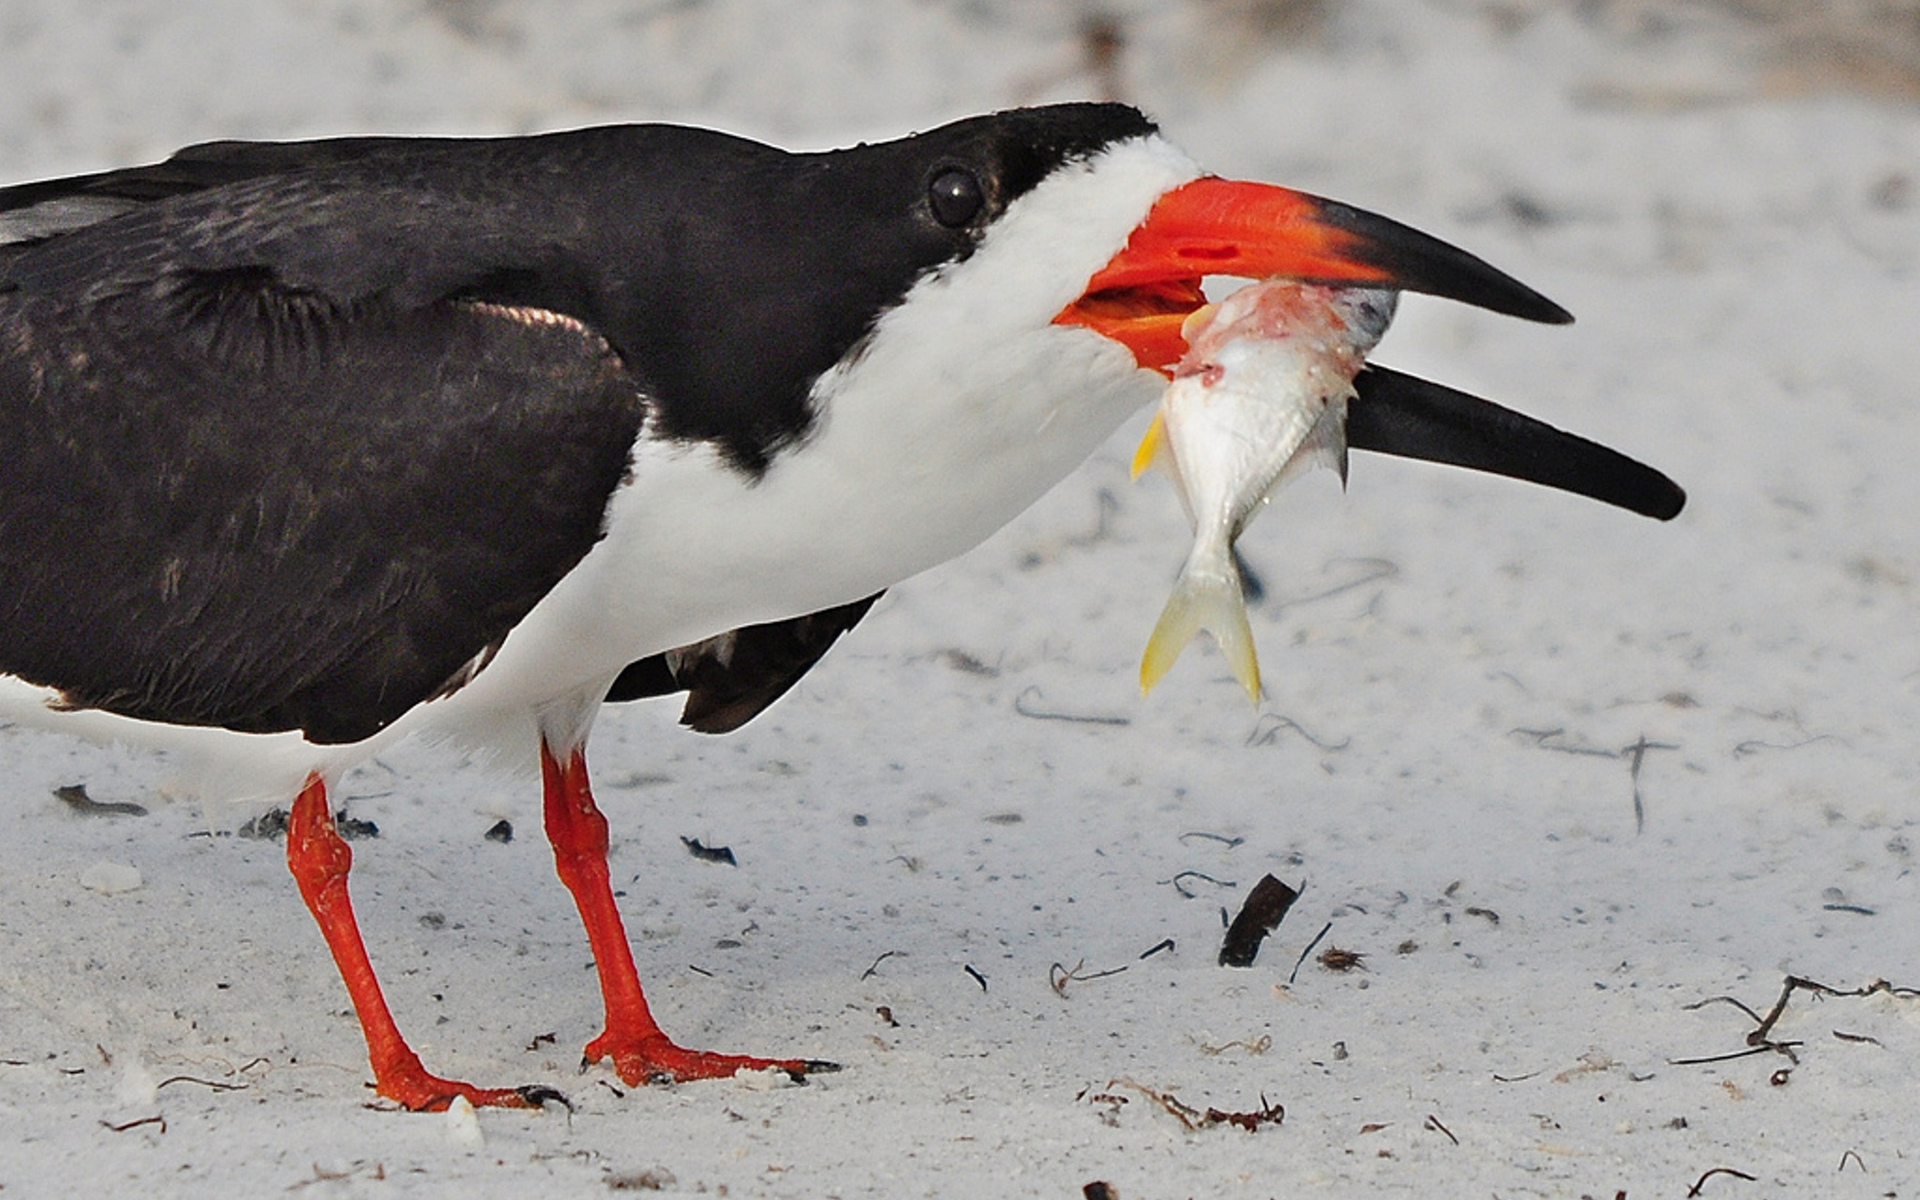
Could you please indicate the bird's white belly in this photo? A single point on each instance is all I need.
(880, 493)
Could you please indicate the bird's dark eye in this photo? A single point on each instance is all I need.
(955, 197)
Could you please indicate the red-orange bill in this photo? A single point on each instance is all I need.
(1215, 226)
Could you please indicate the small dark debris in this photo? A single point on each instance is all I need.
(1702, 1181)
(885, 1013)
(1180, 885)
(352, 830)
(653, 1179)
(977, 977)
(1333, 958)
(1059, 976)
(1266, 1114)
(1526, 212)
(1856, 1037)
(1021, 706)
(542, 1039)
(1407, 947)
(1267, 731)
(1223, 839)
(433, 920)
(1099, 1189)
(1265, 907)
(723, 854)
(1779, 1078)
(501, 831)
(1493, 918)
(1166, 944)
(1004, 818)
(211, 1084)
(1433, 1122)
(269, 826)
(1194, 1119)
(74, 796)
(727, 944)
(1259, 1045)
(860, 820)
(1302, 960)
(967, 664)
(155, 1120)
(869, 972)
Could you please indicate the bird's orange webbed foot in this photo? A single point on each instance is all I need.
(640, 1051)
(652, 1058)
(418, 1091)
(320, 862)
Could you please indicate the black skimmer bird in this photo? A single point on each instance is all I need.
(305, 447)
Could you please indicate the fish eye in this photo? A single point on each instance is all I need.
(955, 197)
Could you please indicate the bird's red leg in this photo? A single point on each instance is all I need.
(320, 862)
(641, 1053)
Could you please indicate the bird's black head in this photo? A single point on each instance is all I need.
(971, 170)
(745, 273)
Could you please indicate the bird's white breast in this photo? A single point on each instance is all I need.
(964, 406)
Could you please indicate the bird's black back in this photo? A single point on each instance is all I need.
(291, 435)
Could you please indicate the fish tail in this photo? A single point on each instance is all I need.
(1209, 601)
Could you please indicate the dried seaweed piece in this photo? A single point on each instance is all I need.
(1058, 976)
(1266, 1114)
(1266, 905)
(1701, 1182)
(75, 797)
(709, 853)
(1179, 885)
(1191, 1117)
(1020, 706)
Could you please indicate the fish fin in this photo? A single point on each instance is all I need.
(1212, 603)
(1324, 446)
(1196, 321)
(1154, 448)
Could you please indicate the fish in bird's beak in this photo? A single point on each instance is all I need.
(1215, 226)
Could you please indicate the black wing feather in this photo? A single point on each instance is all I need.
(732, 678)
(1398, 414)
(225, 502)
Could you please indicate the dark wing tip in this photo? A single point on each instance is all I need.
(1420, 262)
(1412, 418)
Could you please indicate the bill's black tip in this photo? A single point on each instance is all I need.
(1412, 418)
(1420, 262)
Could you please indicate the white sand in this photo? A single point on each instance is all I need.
(1742, 260)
